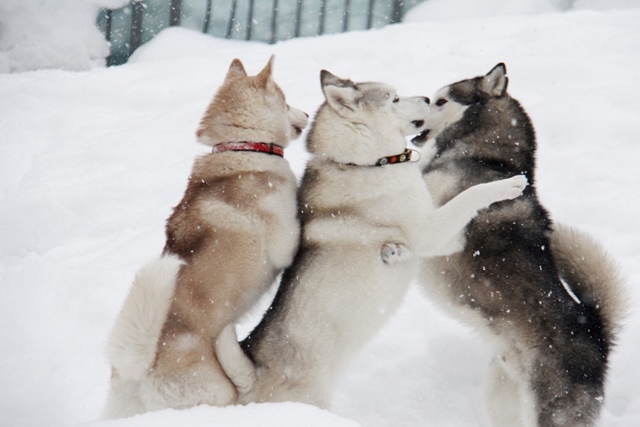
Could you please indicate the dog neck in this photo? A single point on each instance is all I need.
(405, 156)
(258, 147)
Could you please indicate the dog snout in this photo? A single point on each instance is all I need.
(427, 100)
(418, 123)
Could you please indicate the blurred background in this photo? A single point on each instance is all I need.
(82, 34)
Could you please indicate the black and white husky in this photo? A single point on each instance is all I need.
(362, 201)
(549, 297)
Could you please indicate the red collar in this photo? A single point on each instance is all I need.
(260, 147)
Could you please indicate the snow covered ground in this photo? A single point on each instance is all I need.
(92, 162)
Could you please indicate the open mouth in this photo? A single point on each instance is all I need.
(421, 138)
(297, 130)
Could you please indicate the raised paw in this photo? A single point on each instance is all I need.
(393, 252)
(517, 184)
(504, 189)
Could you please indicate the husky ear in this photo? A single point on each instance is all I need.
(236, 70)
(496, 81)
(340, 94)
(265, 77)
(328, 79)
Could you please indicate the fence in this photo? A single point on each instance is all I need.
(260, 20)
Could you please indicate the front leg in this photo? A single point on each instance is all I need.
(442, 229)
(456, 244)
(483, 195)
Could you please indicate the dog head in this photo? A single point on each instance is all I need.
(477, 119)
(250, 108)
(452, 102)
(362, 122)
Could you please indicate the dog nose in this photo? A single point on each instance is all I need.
(427, 100)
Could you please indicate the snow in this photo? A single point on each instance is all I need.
(91, 163)
(36, 34)
(253, 415)
(451, 10)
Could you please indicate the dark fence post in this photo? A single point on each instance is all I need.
(108, 17)
(207, 17)
(250, 20)
(345, 16)
(298, 19)
(136, 26)
(370, 14)
(274, 26)
(323, 10)
(396, 11)
(174, 13)
(232, 19)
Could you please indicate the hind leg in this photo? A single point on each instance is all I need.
(187, 374)
(124, 399)
(508, 402)
(563, 401)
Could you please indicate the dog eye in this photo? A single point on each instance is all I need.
(396, 99)
(440, 102)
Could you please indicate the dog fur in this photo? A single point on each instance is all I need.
(360, 225)
(233, 232)
(548, 298)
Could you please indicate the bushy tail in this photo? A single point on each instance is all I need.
(238, 367)
(132, 344)
(592, 274)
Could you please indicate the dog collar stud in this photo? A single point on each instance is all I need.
(405, 156)
(258, 147)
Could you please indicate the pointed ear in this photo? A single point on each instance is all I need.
(326, 79)
(340, 94)
(236, 70)
(496, 81)
(265, 77)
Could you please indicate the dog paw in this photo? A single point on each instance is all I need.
(507, 189)
(517, 184)
(393, 252)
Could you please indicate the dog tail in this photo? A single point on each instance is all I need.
(236, 364)
(584, 264)
(132, 344)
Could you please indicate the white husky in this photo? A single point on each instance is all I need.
(360, 193)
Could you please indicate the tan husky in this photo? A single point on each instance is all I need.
(231, 235)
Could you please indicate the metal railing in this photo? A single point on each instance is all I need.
(259, 20)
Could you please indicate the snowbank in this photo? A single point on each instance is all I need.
(452, 10)
(264, 415)
(42, 34)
